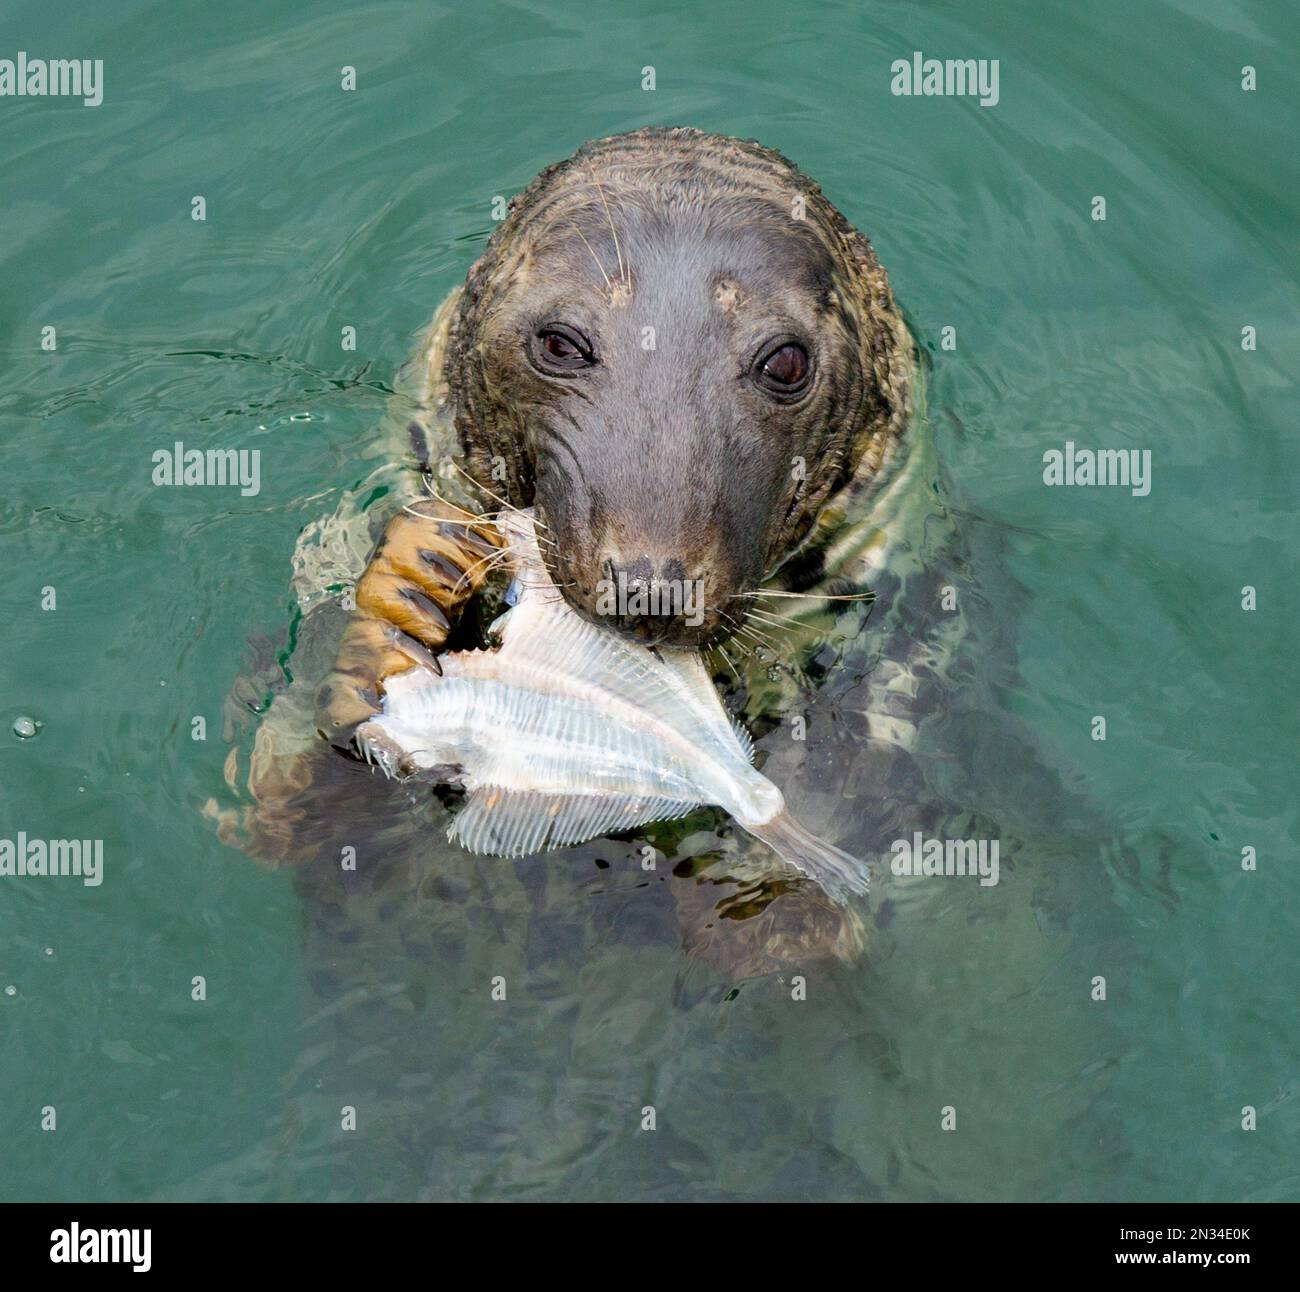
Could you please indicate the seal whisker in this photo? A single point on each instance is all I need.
(523, 583)
(786, 666)
(772, 616)
(721, 650)
(434, 493)
(596, 258)
(472, 516)
(741, 627)
(506, 505)
(762, 639)
(808, 596)
(622, 277)
(488, 563)
(747, 651)
(748, 647)
(478, 484)
(778, 625)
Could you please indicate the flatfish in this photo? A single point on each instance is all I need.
(564, 731)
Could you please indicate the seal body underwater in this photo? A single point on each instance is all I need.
(693, 368)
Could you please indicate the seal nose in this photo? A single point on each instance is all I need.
(648, 600)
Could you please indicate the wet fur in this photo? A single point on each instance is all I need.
(736, 508)
(673, 452)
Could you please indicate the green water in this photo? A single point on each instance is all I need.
(328, 209)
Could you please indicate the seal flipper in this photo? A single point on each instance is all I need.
(515, 823)
(429, 564)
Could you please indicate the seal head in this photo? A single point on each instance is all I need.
(677, 351)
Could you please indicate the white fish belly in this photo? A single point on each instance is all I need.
(515, 739)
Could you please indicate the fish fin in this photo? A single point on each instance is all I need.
(516, 823)
(838, 873)
(743, 738)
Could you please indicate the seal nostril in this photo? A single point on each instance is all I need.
(640, 573)
(649, 599)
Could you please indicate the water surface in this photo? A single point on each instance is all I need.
(328, 209)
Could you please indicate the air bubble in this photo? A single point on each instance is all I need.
(25, 728)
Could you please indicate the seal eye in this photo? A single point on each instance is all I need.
(784, 369)
(559, 348)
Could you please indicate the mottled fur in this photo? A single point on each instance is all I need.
(717, 244)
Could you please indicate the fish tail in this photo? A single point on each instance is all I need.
(838, 873)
